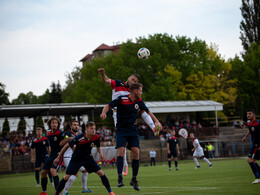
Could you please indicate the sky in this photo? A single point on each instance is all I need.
(42, 41)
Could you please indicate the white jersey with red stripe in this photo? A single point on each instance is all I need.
(118, 88)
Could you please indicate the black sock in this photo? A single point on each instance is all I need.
(37, 176)
(119, 165)
(258, 168)
(254, 169)
(169, 163)
(50, 177)
(135, 168)
(61, 185)
(56, 181)
(106, 183)
(44, 182)
(176, 164)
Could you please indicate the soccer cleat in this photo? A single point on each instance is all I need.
(135, 185)
(197, 167)
(43, 193)
(126, 171)
(256, 181)
(37, 185)
(156, 130)
(210, 166)
(111, 193)
(176, 169)
(87, 191)
(65, 193)
(120, 183)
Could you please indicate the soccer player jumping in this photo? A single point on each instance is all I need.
(128, 107)
(254, 154)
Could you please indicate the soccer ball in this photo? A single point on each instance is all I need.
(143, 53)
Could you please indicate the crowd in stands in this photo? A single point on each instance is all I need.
(15, 143)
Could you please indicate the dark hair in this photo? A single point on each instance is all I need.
(90, 123)
(135, 86)
(38, 128)
(136, 75)
(251, 110)
(52, 119)
(74, 121)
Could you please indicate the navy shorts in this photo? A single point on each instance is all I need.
(49, 163)
(132, 141)
(173, 153)
(254, 153)
(90, 165)
(39, 160)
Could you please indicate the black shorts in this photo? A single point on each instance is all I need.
(173, 153)
(90, 165)
(132, 141)
(49, 163)
(39, 160)
(254, 153)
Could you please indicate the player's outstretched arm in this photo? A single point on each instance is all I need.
(61, 153)
(66, 140)
(103, 115)
(32, 155)
(103, 75)
(244, 138)
(99, 149)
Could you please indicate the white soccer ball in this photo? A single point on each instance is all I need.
(143, 53)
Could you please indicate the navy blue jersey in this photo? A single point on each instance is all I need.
(83, 146)
(55, 138)
(173, 141)
(254, 129)
(69, 134)
(127, 111)
(40, 146)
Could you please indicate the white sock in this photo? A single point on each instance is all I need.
(69, 183)
(206, 160)
(148, 120)
(84, 179)
(196, 161)
(125, 162)
(115, 118)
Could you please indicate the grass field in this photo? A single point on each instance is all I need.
(228, 176)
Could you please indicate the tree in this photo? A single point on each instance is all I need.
(45, 98)
(28, 98)
(56, 93)
(6, 128)
(3, 95)
(250, 25)
(21, 125)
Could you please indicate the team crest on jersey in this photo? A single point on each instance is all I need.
(252, 129)
(136, 106)
(55, 138)
(175, 140)
(43, 142)
(92, 145)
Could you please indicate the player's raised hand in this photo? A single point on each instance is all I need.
(101, 70)
(103, 116)
(244, 140)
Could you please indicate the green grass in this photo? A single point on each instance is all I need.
(231, 176)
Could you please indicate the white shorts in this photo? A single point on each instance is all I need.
(198, 152)
(66, 162)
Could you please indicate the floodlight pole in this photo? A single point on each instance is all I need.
(216, 116)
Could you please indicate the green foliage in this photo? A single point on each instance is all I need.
(163, 75)
(6, 128)
(250, 25)
(28, 98)
(3, 95)
(21, 125)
